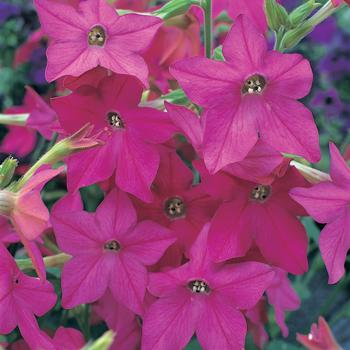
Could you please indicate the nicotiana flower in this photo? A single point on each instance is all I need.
(203, 298)
(260, 213)
(178, 204)
(21, 299)
(110, 251)
(339, 2)
(129, 135)
(319, 338)
(28, 214)
(92, 35)
(329, 203)
(252, 95)
(122, 321)
(259, 165)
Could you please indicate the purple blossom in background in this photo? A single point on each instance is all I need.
(38, 64)
(329, 102)
(7, 10)
(326, 32)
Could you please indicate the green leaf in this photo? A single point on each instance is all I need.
(312, 229)
(193, 345)
(218, 55)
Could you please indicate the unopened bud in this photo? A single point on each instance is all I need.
(298, 15)
(294, 36)
(7, 170)
(277, 15)
(312, 175)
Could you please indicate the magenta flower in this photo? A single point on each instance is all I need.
(92, 35)
(16, 291)
(254, 9)
(260, 213)
(109, 252)
(178, 204)
(282, 297)
(252, 95)
(328, 203)
(122, 321)
(203, 298)
(259, 164)
(128, 133)
(319, 338)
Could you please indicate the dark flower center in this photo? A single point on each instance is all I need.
(115, 120)
(198, 286)
(254, 84)
(174, 208)
(260, 193)
(112, 245)
(97, 36)
(328, 100)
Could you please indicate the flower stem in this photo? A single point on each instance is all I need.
(14, 119)
(208, 27)
(323, 13)
(57, 260)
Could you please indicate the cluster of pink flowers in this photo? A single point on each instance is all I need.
(200, 224)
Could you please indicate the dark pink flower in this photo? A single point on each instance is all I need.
(177, 39)
(252, 95)
(178, 204)
(21, 299)
(94, 34)
(203, 298)
(253, 9)
(109, 251)
(260, 213)
(122, 321)
(328, 203)
(282, 297)
(339, 2)
(320, 337)
(258, 166)
(135, 5)
(128, 133)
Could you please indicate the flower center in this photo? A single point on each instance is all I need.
(260, 193)
(112, 245)
(115, 120)
(97, 36)
(198, 286)
(254, 84)
(174, 208)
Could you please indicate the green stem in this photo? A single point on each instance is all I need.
(50, 245)
(57, 260)
(208, 27)
(14, 119)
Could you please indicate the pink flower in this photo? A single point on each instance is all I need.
(135, 5)
(16, 291)
(203, 298)
(92, 35)
(28, 214)
(7, 232)
(109, 251)
(21, 140)
(128, 133)
(122, 321)
(260, 213)
(178, 204)
(252, 95)
(328, 203)
(282, 297)
(177, 39)
(320, 337)
(258, 166)
(257, 318)
(337, 3)
(253, 9)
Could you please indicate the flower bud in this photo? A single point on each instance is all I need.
(277, 16)
(294, 36)
(7, 169)
(298, 15)
(7, 202)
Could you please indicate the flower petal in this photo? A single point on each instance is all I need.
(339, 170)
